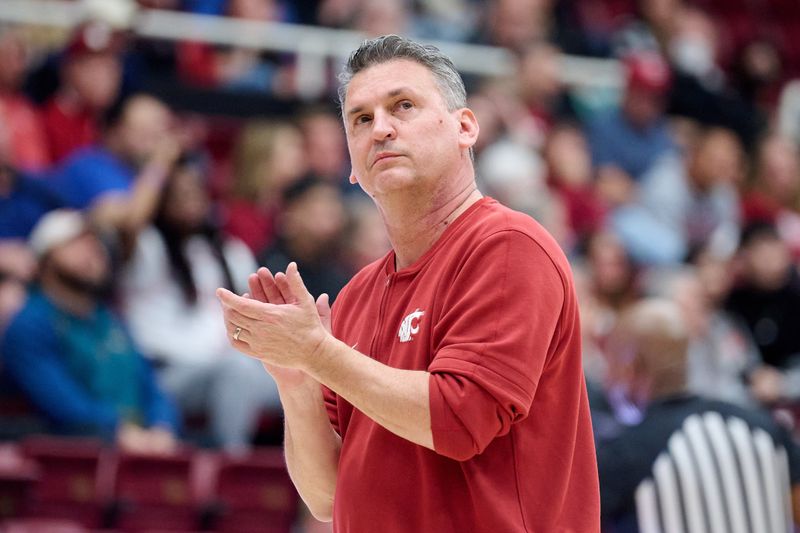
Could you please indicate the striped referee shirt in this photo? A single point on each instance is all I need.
(696, 465)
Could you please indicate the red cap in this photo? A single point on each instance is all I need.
(92, 38)
(647, 71)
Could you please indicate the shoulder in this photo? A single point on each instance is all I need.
(497, 225)
(33, 321)
(86, 157)
(754, 418)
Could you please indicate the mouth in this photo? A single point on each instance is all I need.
(385, 156)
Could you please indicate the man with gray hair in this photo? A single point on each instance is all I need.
(452, 393)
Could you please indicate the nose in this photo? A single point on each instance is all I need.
(383, 127)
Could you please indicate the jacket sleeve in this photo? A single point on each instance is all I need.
(158, 406)
(32, 360)
(499, 325)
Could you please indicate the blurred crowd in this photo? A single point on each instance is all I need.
(121, 213)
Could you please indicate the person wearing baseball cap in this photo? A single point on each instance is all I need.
(69, 353)
(626, 141)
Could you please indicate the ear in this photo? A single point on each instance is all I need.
(468, 127)
(353, 179)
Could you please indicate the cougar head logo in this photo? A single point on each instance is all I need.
(410, 326)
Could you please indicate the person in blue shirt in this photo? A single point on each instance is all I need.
(69, 353)
(626, 141)
(135, 152)
(23, 200)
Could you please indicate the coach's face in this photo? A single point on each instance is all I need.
(400, 133)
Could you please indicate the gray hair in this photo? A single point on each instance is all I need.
(390, 47)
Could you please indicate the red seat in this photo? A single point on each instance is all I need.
(70, 485)
(255, 494)
(42, 525)
(154, 492)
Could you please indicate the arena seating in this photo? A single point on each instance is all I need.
(71, 485)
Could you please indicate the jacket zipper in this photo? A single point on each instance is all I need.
(381, 312)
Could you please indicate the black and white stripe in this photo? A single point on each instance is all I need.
(717, 475)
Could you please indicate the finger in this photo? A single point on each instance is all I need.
(256, 290)
(286, 290)
(236, 332)
(296, 285)
(234, 318)
(250, 308)
(324, 311)
(269, 287)
(242, 346)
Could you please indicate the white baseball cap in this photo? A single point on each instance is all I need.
(55, 228)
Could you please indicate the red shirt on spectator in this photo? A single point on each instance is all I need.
(251, 223)
(68, 127)
(28, 145)
(491, 313)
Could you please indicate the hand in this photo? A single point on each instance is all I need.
(275, 290)
(161, 441)
(615, 186)
(286, 334)
(132, 438)
(168, 150)
(766, 384)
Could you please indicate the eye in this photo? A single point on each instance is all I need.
(362, 119)
(405, 104)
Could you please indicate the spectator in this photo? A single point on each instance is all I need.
(774, 195)
(23, 200)
(237, 68)
(721, 351)
(681, 207)
(91, 74)
(516, 24)
(455, 20)
(267, 158)
(514, 175)
(759, 73)
(503, 115)
(569, 170)
(365, 238)
(708, 441)
(627, 141)
(167, 290)
(309, 232)
(28, 149)
(614, 279)
(326, 146)
(693, 47)
(384, 17)
(69, 353)
(541, 89)
(17, 269)
(121, 179)
(767, 298)
(592, 327)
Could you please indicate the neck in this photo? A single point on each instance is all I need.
(75, 302)
(666, 389)
(415, 224)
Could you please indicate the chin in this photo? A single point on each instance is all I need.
(394, 181)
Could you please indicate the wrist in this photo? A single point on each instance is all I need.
(321, 357)
(155, 173)
(303, 396)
